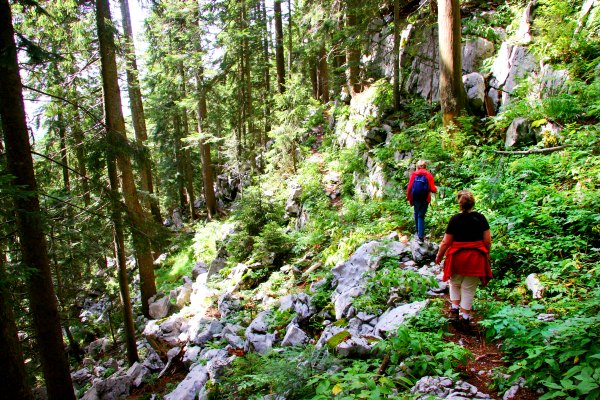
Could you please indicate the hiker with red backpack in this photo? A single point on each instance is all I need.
(420, 187)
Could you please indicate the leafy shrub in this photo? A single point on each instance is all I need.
(272, 240)
(422, 353)
(358, 381)
(287, 374)
(563, 356)
(406, 285)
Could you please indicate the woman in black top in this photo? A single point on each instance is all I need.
(467, 242)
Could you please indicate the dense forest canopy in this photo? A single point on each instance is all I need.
(254, 149)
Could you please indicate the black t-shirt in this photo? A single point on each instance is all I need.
(467, 227)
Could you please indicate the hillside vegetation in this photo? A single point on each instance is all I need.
(543, 208)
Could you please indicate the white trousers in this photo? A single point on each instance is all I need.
(463, 288)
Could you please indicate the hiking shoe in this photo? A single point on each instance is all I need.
(466, 326)
(454, 316)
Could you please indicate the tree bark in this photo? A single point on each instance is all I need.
(119, 254)
(137, 114)
(13, 379)
(80, 156)
(186, 159)
(267, 75)
(207, 172)
(452, 90)
(179, 158)
(63, 153)
(279, 58)
(43, 305)
(323, 75)
(352, 50)
(115, 131)
(396, 57)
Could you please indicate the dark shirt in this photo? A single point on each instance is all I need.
(467, 227)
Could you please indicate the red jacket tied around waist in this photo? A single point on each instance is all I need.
(468, 259)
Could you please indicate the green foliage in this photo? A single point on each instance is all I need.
(358, 381)
(286, 373)
(407, 286)
(432, 318)
(175, 267)
(272, 240)
(563, 356)
(278, 319)
(423, 353)
(561, 36)
(321, 298)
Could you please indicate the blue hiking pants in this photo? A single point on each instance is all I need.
(420, 210)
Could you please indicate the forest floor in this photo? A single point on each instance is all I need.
(487, 356)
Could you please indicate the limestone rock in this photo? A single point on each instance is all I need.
(159, 309)
(519, 133)
(392, 319)
(294, 336)
(537, 288)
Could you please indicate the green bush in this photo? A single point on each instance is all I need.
(562, 356)
(407, 285)
(416, 354)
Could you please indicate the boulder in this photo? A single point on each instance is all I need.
(137, 372)
(474, 52)
(422, 60)
(189, 388)
(349, 276)
(392, 319)
(159, 309)
(294, 336)
(475, 88)
(204, 332)
(113, 388)
(216, 265)
(98, 346)
(257, 337)
(298, 303)
(519, 133)
(184, 296)
(445, 388)
(292, 205)
(199, 268)
(537, 288)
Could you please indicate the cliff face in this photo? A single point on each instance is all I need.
(492, 65)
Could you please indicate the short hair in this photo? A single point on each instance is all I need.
(421, 164)
(466, 201)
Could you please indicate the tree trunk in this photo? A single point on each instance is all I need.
(452, 90)
(267, 76)
(352, 51)
(137, 114)
(80, 156)
(63, 153)
(13, 379)
(323, 75)
(119, 254)
(179, 158)
(207, 173)
(396, 57)
(279, 58)
(43, 305)
(186, 159)
(290, 39)
(115, 130)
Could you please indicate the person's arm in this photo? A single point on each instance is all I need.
(487, 239)
(408, 189)
(431, 182)
(444, 246)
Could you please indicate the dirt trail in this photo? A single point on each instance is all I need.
(487, 356)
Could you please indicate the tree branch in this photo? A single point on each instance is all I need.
(532, 151)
